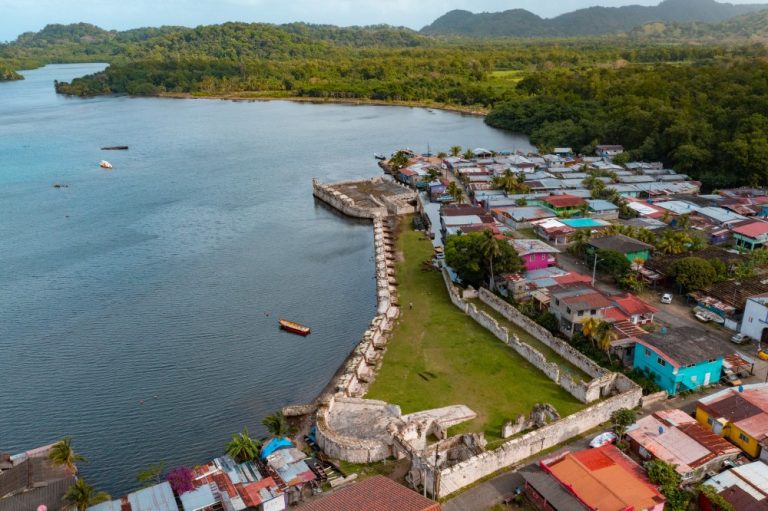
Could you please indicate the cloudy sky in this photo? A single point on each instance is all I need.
(17, 16)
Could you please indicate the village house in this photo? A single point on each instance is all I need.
(632, 309)
(644, 209)
(744, 487)
(684, 359)
(608, 150)
(552, 230)
(630, 248)
(676, 438)
(535, 253)
(571, 305)
(604, 209)
(29, 480)
(752, 235)
(521, 217)
(740, 415)
(377, 493)
(225, 484)
(159, 497)
(602, 478)
(755, 320)
(564, 205)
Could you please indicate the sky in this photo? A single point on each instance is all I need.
(18, 16)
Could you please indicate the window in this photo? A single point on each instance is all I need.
(744, 438)
(581, 313)
(568, 310)
(647, 352)
(557, 301)
(710, 421)
(593, 312)
(661, 361)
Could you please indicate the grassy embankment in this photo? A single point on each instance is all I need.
(438, 356)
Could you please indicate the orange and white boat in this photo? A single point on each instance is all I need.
(294, 328)
(105, 164)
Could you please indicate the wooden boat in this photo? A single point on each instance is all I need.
(379, 157)
(294, 328)
(105, 164)
(115, 148)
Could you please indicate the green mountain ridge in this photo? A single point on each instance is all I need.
(750, 26)
(591, 21)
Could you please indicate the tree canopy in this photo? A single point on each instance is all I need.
(466, 255)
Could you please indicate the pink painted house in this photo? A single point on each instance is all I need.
(535, 253)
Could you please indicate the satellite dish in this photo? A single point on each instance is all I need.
(661, 430)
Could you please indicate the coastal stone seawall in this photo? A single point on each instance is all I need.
(586, 392)
(344, 447)
(343, 203)
(384, 204)
(456, 477)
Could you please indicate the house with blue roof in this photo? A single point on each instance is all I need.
(681, 359)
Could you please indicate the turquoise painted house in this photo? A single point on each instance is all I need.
(680, 360)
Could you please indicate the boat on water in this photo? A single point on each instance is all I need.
(105, 164)
(294, 328)
(115, 148)
(379, 157)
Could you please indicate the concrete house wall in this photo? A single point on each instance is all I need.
(675, 379)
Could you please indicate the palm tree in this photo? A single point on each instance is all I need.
(242, 447)
(666, 216)
(579, 240)
(684, 221)
(454, 191)
(584, 210)
(491, 250)
(468, 154)
(590, 327)
(82, 495)
(276, 424)
(646, 236)
(604, 336)
(62, 454)
(455, 150)
(672, 242)
(442, 155)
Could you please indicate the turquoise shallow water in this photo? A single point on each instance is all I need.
(139, 306)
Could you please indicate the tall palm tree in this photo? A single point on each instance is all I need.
(468, 154)
(579, 240)
(590, 327)
(455, 150)
(454, 191)
(673, 242)
(604, 336)
(82, 495)
(491, 250)
(242, 447)
(276, 424)
(684, 221)
(62, 453)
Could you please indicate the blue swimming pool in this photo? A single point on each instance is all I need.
(580, 223)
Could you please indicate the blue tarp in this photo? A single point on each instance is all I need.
(274, 445)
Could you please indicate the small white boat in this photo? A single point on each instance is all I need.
(105, 164)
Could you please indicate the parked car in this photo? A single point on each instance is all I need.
(762, 355)
(666, 298)
(603, 439)
(740, 338)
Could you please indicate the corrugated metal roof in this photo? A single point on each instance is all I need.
(752, 478)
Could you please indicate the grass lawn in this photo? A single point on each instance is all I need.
(438, 356)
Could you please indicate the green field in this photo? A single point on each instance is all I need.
(438, 356)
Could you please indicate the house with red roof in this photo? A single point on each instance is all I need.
(751, 235)
(637, 311)
(573, 304)
(377, 493)
(601, 479)
(676, 438)
(565, 204)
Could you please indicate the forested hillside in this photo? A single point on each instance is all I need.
(583, 22)
(752, 26)
(709, 121)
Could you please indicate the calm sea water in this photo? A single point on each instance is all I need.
(139, 306)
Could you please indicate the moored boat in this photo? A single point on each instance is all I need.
(105, 164)
(294, 328)
(379, 157)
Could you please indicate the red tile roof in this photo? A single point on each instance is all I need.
(632, 305)
(564, 201)
(604, 479)
(753, 229)
(378, 493)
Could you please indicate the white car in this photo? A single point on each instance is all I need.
(603, 439)
(739, 338)
(666, 298)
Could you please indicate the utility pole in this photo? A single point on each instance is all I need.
(594, 268)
